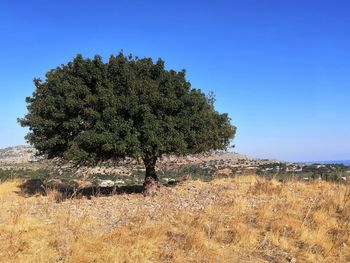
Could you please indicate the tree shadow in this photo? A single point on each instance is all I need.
(63, 191)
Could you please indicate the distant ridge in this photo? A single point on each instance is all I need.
(17, 154)
(345, 162)
(24, 153)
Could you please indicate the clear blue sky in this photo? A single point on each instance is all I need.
(280, 68)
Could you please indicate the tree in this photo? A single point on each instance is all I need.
(89, 111)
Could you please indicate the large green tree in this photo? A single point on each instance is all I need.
(89, 111)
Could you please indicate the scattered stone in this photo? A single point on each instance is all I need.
(105, 183)
(119, 182)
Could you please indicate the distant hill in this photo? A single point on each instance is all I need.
(345, 162)
(17, 155)
(23, 154)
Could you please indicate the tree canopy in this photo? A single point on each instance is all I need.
(90, 110)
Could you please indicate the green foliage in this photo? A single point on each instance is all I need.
(89, 111)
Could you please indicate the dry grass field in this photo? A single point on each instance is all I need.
(245, 219)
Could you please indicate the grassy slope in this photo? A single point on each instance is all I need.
(226, 220)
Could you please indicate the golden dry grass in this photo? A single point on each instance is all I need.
(245, 219)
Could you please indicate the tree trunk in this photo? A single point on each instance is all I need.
(151, 183)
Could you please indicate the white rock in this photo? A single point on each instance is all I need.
(106, 183)
(119, 182)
